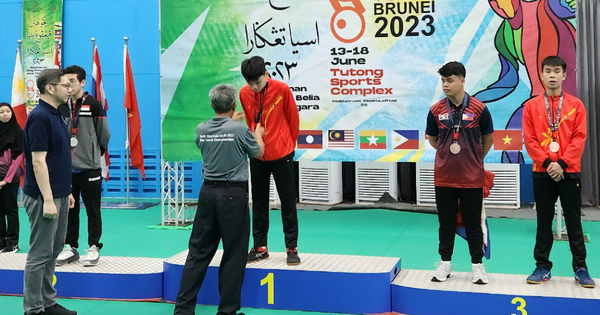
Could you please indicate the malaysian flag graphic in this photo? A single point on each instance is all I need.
(341, 139)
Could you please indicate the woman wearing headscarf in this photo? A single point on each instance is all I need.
(11, 155)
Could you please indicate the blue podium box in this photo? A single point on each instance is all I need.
(413, 293)
(114, 278)
(322, 283)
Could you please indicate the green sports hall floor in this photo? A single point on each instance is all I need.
(372, 232)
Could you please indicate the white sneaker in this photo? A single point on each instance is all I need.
(68, 255)
(442, 272)
(479, 275)
(92, 257)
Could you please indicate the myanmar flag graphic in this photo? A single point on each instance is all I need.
(373, 139)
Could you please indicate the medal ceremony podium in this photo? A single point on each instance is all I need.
(322, 283)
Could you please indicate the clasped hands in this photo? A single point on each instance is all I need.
(555, 171)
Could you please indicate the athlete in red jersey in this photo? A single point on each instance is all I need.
(460, 128)
(271, 104)
(554, 125)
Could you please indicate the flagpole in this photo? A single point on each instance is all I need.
(56, 54)
(127, 148)
(93, 46)
(20, 53)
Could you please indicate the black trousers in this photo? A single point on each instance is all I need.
(285, 181)
(447, 201)
(546, 191)
(9, 215)
(222, 214)
(89, 185)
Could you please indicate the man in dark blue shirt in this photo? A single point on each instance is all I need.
(47, 192)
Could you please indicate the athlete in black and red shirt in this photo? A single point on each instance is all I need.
(460, 128)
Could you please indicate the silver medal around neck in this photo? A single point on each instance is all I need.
(554, 146)
(74, 142)
(455, 148)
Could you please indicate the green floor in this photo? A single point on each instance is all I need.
(411, 236)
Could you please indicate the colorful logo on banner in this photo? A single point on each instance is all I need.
(361, 65)
(42, 38)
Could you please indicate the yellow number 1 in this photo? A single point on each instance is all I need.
(521, 307)
(270, 281)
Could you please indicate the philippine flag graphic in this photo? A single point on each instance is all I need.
(310, 139)
(405, 139)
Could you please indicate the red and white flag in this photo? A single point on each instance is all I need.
(133, 117)
(17, 101)
(98, 93)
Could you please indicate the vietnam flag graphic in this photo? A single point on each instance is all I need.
(372, 139)
(508, 140)
(310, 139)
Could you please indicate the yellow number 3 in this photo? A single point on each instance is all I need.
(521, 307)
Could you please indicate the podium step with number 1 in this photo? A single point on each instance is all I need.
(322, 283)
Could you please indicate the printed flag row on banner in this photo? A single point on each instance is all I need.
(367, 139)
(504, 140)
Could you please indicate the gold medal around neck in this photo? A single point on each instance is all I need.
(74, 142)
(455, 148)
(554, 146)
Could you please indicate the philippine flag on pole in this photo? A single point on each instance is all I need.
(310, 139)
(405, 139)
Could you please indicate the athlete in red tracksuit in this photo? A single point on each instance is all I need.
(271, 104)
(554, 126)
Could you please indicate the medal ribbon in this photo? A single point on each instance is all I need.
(260, 111)
(553, 123)
(75, 113)
(456, 125)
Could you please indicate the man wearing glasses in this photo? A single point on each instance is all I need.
(47, 192)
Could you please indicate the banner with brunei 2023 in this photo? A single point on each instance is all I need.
(363, 73)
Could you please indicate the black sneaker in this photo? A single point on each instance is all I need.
(257, 254)
(10, 249)
(58, 309)
(292, 257)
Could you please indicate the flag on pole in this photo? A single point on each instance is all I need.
(133, 117)
(98, 93)
(56, 56)
(17, 100)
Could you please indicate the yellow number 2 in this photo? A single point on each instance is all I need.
(269, 280)
(521, 307)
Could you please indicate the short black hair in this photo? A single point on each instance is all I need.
(554, 61)
(76, 70)
(253, 68)
(453, 67)
(48, 76)
(222, 98)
